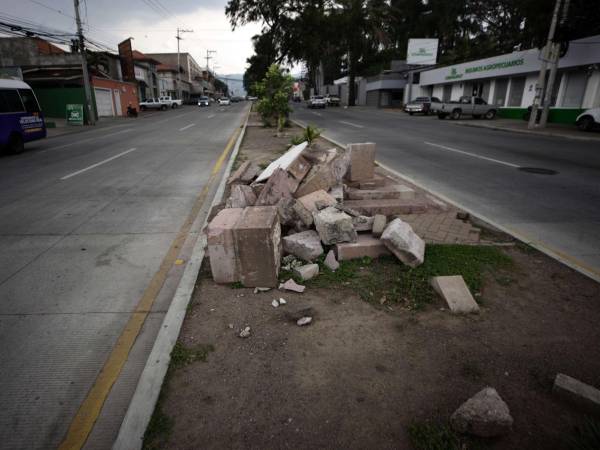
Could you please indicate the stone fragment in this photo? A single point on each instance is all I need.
(331, 262)
(385, 192)
(303, 214)
(317, 156)
(454, 290)
(293, 214)
(362, 223)
(283, 162)
(299, 168)
(307, 271)
(280, 185)
(291, 285)
(362, 161)
(403, 242)
(241, 196)
(237, 174)
(387, 207)
(379, 223)
(275, 304)
(340, 165)
(304, 321)
(319, 177)
(309, 200)
(334, 226)
(261, 289)
(364, 246)
(258, 244)
(485, 414)
(305, 245)
(348, 210)
(337, 192)
(245, 333)
(282, 301)
(244, 174)
(221, 245)
(257, 188)
(580, 394)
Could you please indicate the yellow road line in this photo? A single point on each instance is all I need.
(89, 410)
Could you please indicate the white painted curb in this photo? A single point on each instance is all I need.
(143, 402)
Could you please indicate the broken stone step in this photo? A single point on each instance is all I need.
(385, 192)
(374, 183)
(387, 207)
(364, 246)
(309, 201)
(454, 290)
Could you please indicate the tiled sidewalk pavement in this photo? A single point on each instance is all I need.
(442, 228)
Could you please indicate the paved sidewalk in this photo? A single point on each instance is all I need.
(61, 127)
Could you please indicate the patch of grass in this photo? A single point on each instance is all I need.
(237, 285)
(386, 276)
(159, 428)
(586, 436)
(182, 356)
(297, 140)
(437, 436)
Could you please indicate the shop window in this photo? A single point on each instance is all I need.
(500, 91)
(517, 86)
(447, 92)
(576, 83)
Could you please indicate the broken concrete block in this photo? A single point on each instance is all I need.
(454, 290)
(379, 223)
(320, 176)
(236, 175)
(337, 192)
(305, 245)
(362, 161)
(385, 192)
(299, 168)
(307, 271)
(334, 226)
(365, 245)
(221, 245)
(280, 185)
(244, 174)
(387, 207)
(580, 394)
(485, 414)
(283, 162)
(362, 223)
(293, 214)
(340, 165)
(403, 242)
(241, 196)
(330, 261)
(309, 200)
(318, 156)
(291, 285)
(257, 188)
(258, 244)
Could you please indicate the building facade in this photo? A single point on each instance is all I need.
(193, 80)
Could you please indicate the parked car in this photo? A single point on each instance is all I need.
(317, 101)
(224, 101)
(332, 100)
(588, 120)
(203, 101)
(465, 106)
(21, 118)
(421, 105)
(251, 98)
(297, 98)
(171, 102)
(152, 103)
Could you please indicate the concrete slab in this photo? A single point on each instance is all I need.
(454, 290)
(580, 394)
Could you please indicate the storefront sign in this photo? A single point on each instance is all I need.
(422, 51)
(74, 114)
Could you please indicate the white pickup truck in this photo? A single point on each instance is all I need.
(475, 107)
(171, 102)
(153, 103)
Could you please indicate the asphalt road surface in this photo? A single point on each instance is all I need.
(481, 169)
(92, 224)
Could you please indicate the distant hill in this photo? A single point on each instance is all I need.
(235, 83)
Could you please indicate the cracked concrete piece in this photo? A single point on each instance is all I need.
(580, 394)
(334, 226)
(309, 200)
(305, 245)
(307, 271)
(404, 243)
(454, 290)
(379, 224)
(221, 245)
(241, 196)
(331, 262)
(362, 161)
(291, 285)
(485, 414)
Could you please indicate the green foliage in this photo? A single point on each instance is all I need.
(427, 436)
(311, 134)
(182, 355)
(586, 436)
(297, 140)
(273, 92)
(159, 429)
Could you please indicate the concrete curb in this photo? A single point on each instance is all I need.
(143, 402)
(541, 246)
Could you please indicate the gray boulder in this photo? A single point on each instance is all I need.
(403, 242)
(334, 226)
(305, 245)
(485, 414)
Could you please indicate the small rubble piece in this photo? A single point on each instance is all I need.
(307, 271)
(244, 174)
(337, 192)
(347, 210)
(385, 192)
(485, 414)
(340, 166)
(275, 304)
(403, 242)
(261, 289)
(319, 177)
(365, 246)
(379, 223)
(304, 321)
(221, 245)
(291, 285)
(293, 214)
(290, 262)
(454, 290)
(257, 188)
(283, 162)
(362, 223)
(245, 333)
(299, 168)
(282, 301)
(237, 173)
(279, 185)
(305, 245)
(362, 161)
(334, 226)
(241, 196)
(309, 200)
(331, 262)
(580, 394)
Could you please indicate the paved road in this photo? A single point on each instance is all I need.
(479, 169)
(90, 224)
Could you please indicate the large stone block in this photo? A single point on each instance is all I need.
(334, 226)
(309, 200)
(364, 246)
(362, 161)
(385, 192)
(485, 414)
(221, 245)
(305, 245)
(280, 185)
(387, 207)
(320, 177)
(241, 196)
(379, 224)
(258, 244)
(293, 214)
(403, 242)
(454, 290)
(283, 162)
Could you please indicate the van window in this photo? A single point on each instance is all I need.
(31, 104)
(10, 101)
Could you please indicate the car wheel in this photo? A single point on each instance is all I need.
(16, 144)
(175, 105)
(586, 123)
(490, 114)
(163, 107)
(441, 116)
(455, 114)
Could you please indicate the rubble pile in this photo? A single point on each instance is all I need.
(308, 203)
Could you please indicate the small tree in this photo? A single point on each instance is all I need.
(273, 92)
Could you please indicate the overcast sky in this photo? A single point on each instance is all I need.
(111, 21)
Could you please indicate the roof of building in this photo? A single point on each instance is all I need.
(139, 56)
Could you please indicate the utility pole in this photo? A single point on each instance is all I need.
(84, 67)
(553, 69)
(178, 66)
(208, 57)
(539, 89)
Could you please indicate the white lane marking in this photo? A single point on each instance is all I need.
(472, 154)
(211, 116)
(88, 139)
(66, 177)
(351, 124)
(316, 113)
(187, 126)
